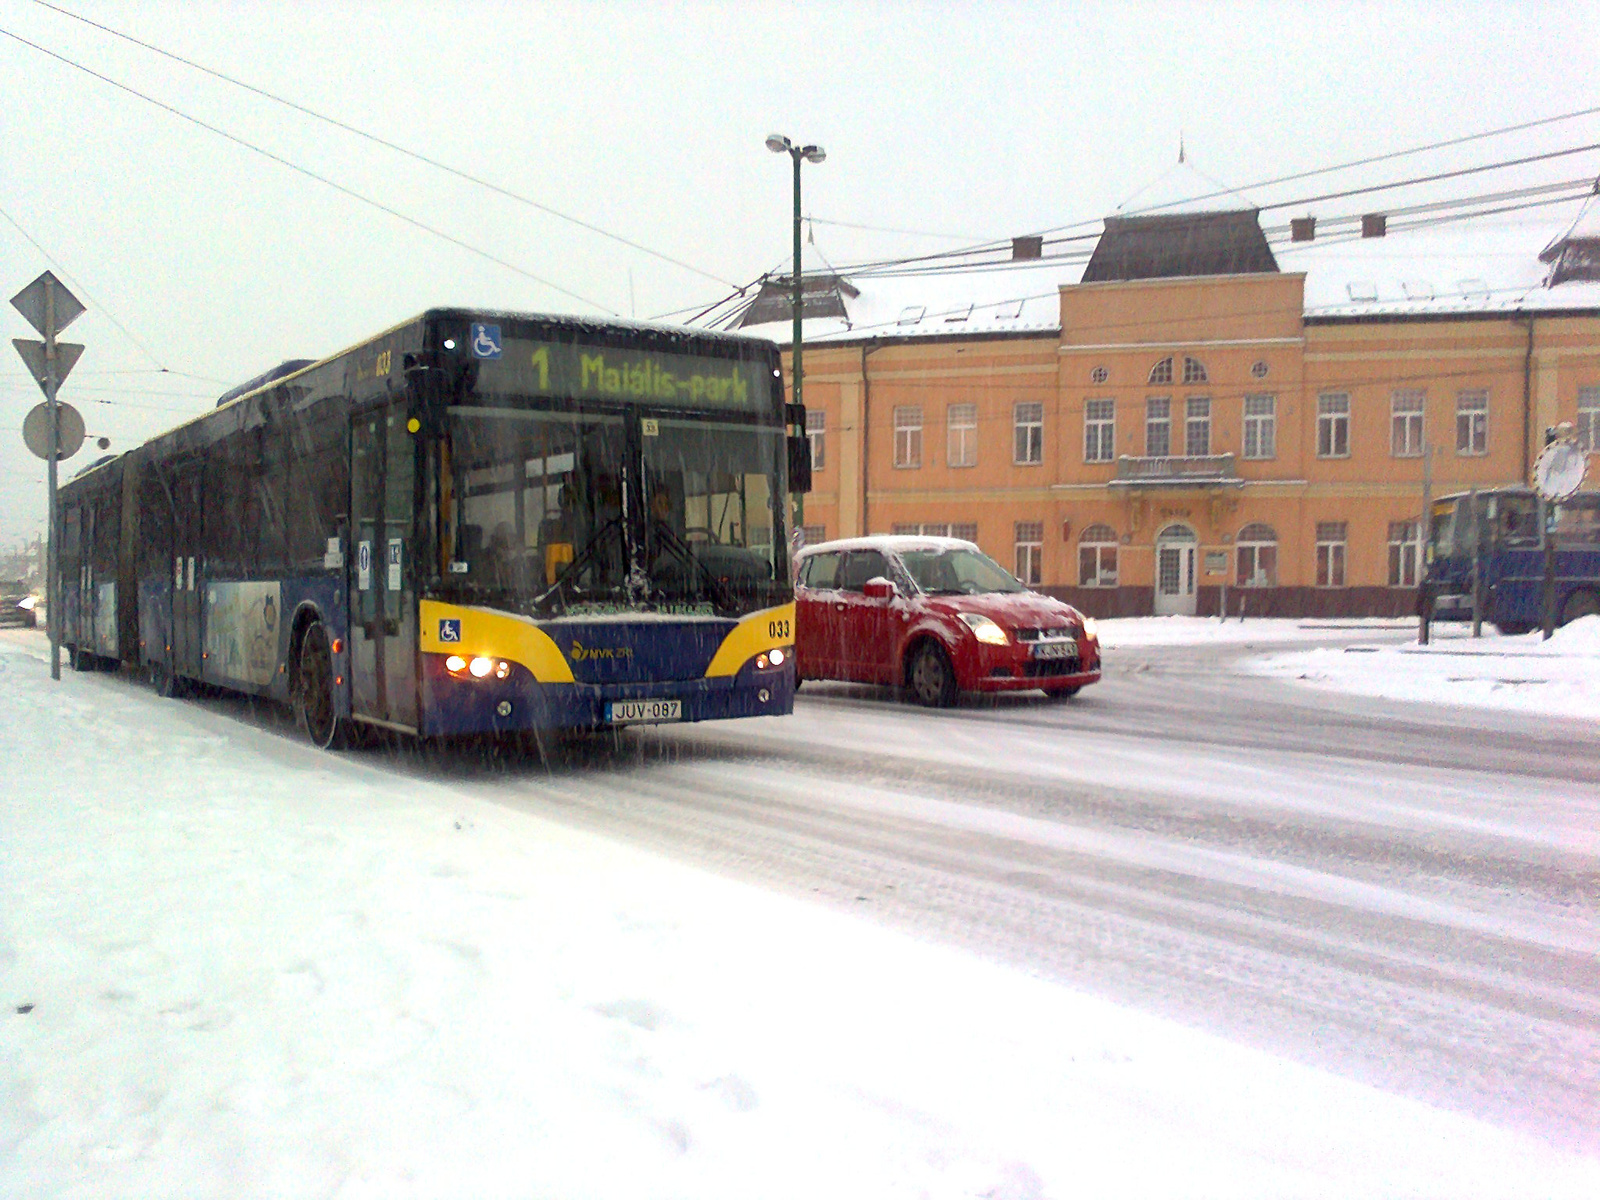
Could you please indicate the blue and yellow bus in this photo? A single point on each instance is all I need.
(473, 523)
(1497, 539)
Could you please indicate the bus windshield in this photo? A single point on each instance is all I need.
(550, 513)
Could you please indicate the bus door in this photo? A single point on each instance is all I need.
(187, 562)
(383, 608)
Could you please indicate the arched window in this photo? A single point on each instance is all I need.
(1194, 371)
(1097, 557)
(1162, 371)
(1258, 556)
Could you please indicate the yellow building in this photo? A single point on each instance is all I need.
(1196, 414)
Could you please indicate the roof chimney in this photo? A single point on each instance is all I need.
(1374, 225)
(1031, 246)
(1302, 229)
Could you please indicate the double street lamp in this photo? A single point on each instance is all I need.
(779, 144)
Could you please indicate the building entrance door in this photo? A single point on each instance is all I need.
(1175, 553)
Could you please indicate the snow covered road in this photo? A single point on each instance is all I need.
(1191, 934)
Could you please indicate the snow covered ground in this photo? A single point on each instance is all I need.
(231, 965)
(1116, 632)
(1526, 673)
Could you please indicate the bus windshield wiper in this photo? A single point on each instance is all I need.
(720, 596)
(590, 550)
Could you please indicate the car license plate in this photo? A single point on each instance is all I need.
(638, 712)
(1061, 649)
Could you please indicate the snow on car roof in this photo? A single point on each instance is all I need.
(898, 542)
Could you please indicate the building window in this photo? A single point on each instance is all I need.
(1588, 431)
(1158, 427)
(1404, 547)
(1333, 425)
(1260, 426)
(1472, 422)
(925, 529)
(1161, 372)
(1097, 557)
(1029, 424)
(1197, 426)
(1257, 547)
(815, 534)
(1099, 375)
(1331, 545)
(1099, 430)
(1030, 551)
(1194, 371)
(967, 531)
(1258, 369)
(1405, 423)
(817, 431)
(908, 435)
(961, 437)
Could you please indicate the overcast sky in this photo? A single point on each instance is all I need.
(973, 121)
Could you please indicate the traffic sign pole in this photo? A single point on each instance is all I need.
(53, 611)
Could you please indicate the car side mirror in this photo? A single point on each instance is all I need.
(879, 589)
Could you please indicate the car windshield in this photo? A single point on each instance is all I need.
(958, 571)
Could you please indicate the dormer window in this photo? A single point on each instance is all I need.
(1161, 372)
(1194, 371)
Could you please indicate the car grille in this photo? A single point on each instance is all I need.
(1045, 667)
(1058, 631)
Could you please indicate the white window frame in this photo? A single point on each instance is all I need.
(1102, 547)
(1333, 553)
(1253, 539)
(1261, 426)
(908, 437)
(1161, 373)
(1029, 540)
(1194, 371)
(1472, 422)
(817, 434)
(1405, 551)
(1099, 431)
(1333, 425)
(1163, 422)
(1407, 408)
(1196, 426)
(967, 531)
(961, 435)
(1027, 423)
(1588, 422)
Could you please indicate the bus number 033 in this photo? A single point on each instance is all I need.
(777, 629)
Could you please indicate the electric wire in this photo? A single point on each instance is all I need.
(310, 174)
(377, 139)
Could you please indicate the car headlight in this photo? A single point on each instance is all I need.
(984, 629)
(1091, 629)
(27, 603)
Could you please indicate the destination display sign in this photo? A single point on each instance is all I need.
(533, 368)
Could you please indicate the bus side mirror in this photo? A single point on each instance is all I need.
(799, 464)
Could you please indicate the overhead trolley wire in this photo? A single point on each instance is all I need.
(310, 174)
(376, 139)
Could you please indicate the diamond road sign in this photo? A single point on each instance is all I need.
(30, 302)
(67, 355)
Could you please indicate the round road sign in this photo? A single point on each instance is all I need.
(1560, 470)
(69, 430)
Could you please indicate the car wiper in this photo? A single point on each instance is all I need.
(720, 596)
(590, 550)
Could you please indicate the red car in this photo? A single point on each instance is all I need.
(934, 615)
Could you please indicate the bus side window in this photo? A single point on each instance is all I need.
(1519, 521)
(1578, 521)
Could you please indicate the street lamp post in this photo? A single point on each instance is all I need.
(779, 144)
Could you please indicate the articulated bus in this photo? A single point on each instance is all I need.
(1501, 533)
(474, 523)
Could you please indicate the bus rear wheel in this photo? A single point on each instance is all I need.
(314, 696)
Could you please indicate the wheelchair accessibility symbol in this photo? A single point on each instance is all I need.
(486, 341)
(449, 629)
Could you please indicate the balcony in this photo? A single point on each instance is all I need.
(1207, 470)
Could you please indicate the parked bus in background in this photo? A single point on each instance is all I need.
(472, 523)
(1496, 538)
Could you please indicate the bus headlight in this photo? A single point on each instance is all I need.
(455, 664)
(769, 659)
(984, 629)
(480, 667)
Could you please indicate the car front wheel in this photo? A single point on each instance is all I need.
(932, 678)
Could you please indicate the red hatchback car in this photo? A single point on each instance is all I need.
(936, 616)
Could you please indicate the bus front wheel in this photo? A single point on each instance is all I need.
(1580, 604)
(314, 696)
